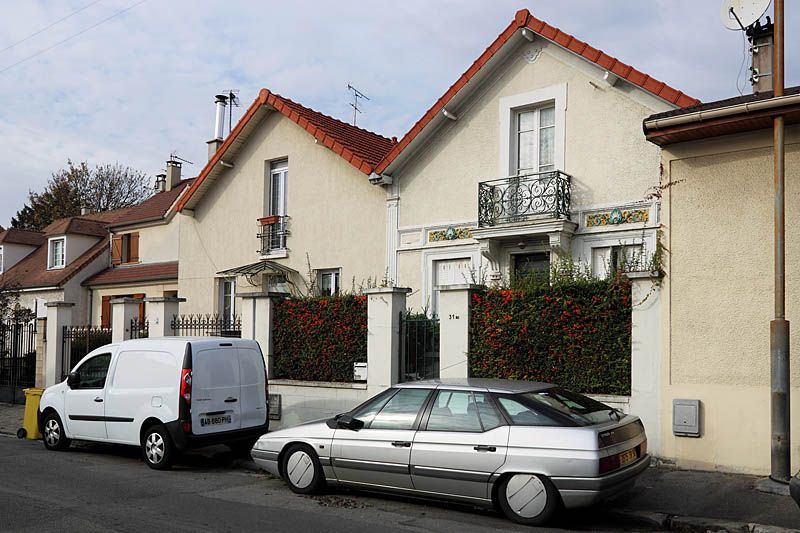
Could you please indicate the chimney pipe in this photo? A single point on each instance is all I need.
(173, 175)
(161, 182)
(86, 211)
(221, 102)
(761, 44)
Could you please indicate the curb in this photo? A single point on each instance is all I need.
(694, 524)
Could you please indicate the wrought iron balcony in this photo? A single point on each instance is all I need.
(273, 233)
(523, 197)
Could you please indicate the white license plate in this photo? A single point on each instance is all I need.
(215, 420)
(628, 457)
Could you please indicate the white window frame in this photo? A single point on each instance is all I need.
(510, 106)
(1, 259)
(222, 283)
(51, 264)
(280, 169)
(337, 276)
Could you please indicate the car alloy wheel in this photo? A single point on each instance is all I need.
(302, 470)
(53, 433)
(154, 448)
(528, 498)
(157, 448)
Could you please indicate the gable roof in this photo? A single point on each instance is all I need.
(32, 271)
(155, 207)
(82, 225)
(524, 20)
(21, 236)
(361, 148)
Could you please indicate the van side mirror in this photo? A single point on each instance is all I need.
(73, 380)
(348, 422)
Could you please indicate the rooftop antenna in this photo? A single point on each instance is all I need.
(233, 100)
(745, 16)
(354, 104)
(173, 156)
(741, 14)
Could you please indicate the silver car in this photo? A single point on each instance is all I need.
(527, 448)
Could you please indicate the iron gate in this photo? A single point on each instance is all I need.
(17, 359)
(78, 341)
(419, 347)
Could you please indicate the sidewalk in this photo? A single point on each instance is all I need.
(10, 418)
(673, 495)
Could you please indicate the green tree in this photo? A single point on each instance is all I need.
(103, 188)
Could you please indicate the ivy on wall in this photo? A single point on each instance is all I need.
(575, 335)
(319, 339)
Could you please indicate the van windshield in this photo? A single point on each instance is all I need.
(581, 409)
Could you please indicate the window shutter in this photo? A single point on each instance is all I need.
(141, 305)
(133, 254)
(105, 312)
(116, 249)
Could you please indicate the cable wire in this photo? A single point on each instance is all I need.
(34, 34)
(40, 52)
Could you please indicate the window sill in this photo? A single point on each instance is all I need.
(276, 254)
(60, 267)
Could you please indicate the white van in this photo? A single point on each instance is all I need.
(166, 395)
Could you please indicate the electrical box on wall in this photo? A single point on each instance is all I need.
(359, 371)
(686, 418)
(274, 406)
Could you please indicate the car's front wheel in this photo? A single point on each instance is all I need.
(53, 434)
(302, 470)
(529, 499)
(157, 449)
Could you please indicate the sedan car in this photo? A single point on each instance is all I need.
(527, 448)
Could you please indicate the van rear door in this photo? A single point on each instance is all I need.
(216, 390)
(253, 398)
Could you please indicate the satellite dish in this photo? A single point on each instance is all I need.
(746, 11)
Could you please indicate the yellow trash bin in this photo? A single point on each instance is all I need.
(30, 424)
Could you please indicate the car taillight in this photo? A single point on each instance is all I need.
(186, 427)
(609, 464)
(186, 385)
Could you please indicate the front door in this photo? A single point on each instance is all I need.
(378, 454)
(463, 442)
(84, 405)
(536, 264)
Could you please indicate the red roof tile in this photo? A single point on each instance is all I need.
(524, 19)
(21, 236)
(32, 271)
(77, 226)
(135, 273)
(154, 207)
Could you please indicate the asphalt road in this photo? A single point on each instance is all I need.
(107, 488)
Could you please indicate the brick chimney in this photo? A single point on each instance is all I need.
(761, 42)
(173, 174)
(221, 102)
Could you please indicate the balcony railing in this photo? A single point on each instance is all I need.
(273, 234)
(524, 197)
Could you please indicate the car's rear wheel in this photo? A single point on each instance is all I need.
(529, 499)
(53, 435)
(157, 449)
(302, 470)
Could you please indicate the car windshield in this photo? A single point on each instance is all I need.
(579, 408)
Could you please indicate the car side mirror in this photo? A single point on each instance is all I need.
(348, 422)
(73, 380)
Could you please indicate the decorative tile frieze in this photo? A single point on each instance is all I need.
(449, 234)
(617, 216)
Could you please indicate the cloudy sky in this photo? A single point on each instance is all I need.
(140, 85)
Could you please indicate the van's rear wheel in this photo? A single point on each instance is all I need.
(302, 470)
(157, 449)
(528, 499)
(54, 437)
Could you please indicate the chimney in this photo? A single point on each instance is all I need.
(161, 182)
(760, 37)
(173, 176)
(86, 211)
(221, 101)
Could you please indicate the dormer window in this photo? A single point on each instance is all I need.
(56, 256)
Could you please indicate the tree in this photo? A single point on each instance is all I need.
(106, 187)
(10, 308)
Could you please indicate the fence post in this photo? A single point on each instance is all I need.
(257, 321)
(59, 314)
(384, 306)
(646, 356)
(160, 310)
(454, 309)
(123, 310)
(41, 343)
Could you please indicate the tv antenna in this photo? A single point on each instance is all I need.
(233, 100)
(354, 104)
(174, 157)
(741, 14)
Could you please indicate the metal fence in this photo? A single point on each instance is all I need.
(17, 359)
(523, 197)
(419, 347)
(206, 325)
(140, 329)
(78, 341)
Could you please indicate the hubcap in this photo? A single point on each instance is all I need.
(300, 469)
(52, 432)
(154, 448)
(526, 495)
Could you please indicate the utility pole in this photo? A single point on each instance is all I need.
(779, 327)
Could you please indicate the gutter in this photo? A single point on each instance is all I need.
(738, 109)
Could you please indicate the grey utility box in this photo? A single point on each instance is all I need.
(686, 418)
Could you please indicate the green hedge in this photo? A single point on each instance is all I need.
(319, 339)
(577, 336)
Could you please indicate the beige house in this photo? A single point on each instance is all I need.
(284, 203)
(717, 297)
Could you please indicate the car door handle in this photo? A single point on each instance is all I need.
(485, 448)
(401, 444)
(98, 399)
(231, 400)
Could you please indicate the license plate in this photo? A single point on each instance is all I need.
(628, 457)
(215, 420)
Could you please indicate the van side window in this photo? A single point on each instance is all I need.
(94, 371)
